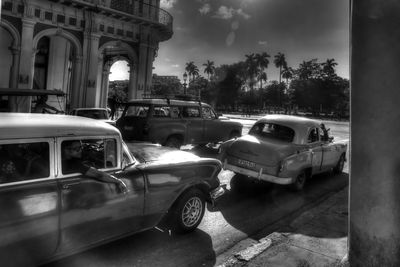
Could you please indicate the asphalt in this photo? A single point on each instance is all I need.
(314, 237)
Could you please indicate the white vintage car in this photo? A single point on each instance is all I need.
(283, 149)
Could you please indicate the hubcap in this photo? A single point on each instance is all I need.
(192, 211)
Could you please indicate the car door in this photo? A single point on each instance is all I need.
(214, 130)
(29, 202)
(331, 152)
(93, 211)
(194, 124)
(315, 146)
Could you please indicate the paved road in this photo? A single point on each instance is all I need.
(236, 217)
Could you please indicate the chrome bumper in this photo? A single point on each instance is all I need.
(215, 194)
(258, 175)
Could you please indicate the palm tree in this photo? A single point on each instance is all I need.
(328, 67)
(251, 68)
(262, 61)
(209, 68)
(280, 62)
(192, 69)
(262, 76)
(287, 73)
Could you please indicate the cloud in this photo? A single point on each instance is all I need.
(167, 4)
(240, 12)
(175, 66)
(224, 12)
(262, 43)
(205, 9)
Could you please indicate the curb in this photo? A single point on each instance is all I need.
(244, 256)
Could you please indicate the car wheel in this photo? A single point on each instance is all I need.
(173, 141)
(340, 165)
(300, 181)
(188, 212)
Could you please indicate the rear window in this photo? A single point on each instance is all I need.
(24, 161)
(273, 131)
(137, 111)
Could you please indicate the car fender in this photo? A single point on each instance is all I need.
(296, 163)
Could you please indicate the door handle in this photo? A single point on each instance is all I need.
(67, 186)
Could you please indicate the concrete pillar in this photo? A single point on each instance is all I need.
(25, 78)
(142, 69)
(374, 230)
(76, 90)
(132, 86)
(13, 83)
(91, 44)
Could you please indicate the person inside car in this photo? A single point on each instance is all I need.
(43, 107)
(72, 162)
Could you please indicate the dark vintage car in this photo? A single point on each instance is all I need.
(175, 122)
(47, 213)
(283, 149)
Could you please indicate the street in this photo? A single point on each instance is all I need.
(236, 217)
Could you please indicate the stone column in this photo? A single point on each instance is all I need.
(132, 86)
(13, 83)
(374, 230)
(27, 57)
(76, 91)
(142, 70)
(105, 84)
(90, 44)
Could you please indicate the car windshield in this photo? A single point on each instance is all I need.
(93, 114)
(273, 131)
(137, 110)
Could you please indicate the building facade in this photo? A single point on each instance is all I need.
(71, 45)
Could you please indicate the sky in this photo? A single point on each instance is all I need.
(224, 31)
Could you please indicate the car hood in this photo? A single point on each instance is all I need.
(150, 153)
(261, 150)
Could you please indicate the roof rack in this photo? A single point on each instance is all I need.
(186, 97)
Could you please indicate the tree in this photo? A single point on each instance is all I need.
(262, 77)
(209, 68)
(192, 70)
(328, 67)
(280, 62)
(287, 73)
(251, 69)
(309, 70)
(262, 63)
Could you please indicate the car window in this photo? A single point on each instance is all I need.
(175, 112)
(313, 136)
(161, 111)
(139, 111)
(98, 153)
(190, 112)
(24, 161)
(208, 113)
(272, 130)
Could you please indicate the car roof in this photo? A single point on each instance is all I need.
(90, 109)
(31, 125)
(300, 125)
(291, 121)
(163, 101)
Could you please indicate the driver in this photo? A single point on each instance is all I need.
(72, 163)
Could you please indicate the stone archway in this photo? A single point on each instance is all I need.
(72, 66)
(14, 49)
(110, 53)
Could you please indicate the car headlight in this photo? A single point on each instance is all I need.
(285, 163)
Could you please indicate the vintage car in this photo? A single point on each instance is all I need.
(94, 113)
(175, 123)
(47, 213)
(283, 149)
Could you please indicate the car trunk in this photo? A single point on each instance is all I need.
(262, 151)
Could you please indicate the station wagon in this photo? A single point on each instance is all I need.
(47, 213)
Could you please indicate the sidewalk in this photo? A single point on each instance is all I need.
(317, 237)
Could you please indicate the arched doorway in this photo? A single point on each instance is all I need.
(57, 65)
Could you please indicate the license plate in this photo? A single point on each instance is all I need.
(246, 163)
